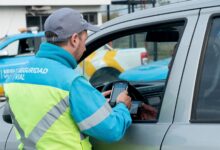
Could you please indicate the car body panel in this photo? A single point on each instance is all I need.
(170, 96)
(186, 94)
(12, 141)
(4, 130)
(135, 140)
(171, 8)
(185, 134)
(192, 137)
(9, 39)
(173, 130)
(175, 76)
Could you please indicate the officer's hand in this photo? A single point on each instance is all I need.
(107, 93)
(124, 98)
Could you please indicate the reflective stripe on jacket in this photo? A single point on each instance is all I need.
(44, 119)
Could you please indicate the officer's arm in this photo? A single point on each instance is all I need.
(93, 114)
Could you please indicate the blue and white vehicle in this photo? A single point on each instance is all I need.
(16, 50)
(154, 71)
(19, 44)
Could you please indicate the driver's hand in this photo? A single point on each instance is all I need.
(148, 112)
(124, 98)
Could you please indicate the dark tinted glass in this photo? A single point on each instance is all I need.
(208, 99)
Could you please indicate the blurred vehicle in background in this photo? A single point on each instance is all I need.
(24, 43)
(104, 66)
(153, 71)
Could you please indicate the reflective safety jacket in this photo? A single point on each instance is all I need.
(53, 106)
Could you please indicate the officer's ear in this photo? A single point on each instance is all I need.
(74, 40)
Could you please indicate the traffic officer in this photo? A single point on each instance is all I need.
(53, 106)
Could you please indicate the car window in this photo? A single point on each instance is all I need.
(129, 41)
(24, 46)
(12, 48)
(2, 39)
(132, 52)
(29, 45)
(207, 101)
(140, 56)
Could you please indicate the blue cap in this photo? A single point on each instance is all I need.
(65, 22)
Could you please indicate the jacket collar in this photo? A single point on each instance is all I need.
(56, 53)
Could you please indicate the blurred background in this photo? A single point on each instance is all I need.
(16, 14)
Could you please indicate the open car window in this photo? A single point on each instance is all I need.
(23, 46)
(141, 56)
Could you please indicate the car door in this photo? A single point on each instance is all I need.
(6, 143)
(196, 122)
(8, 139)
(4, 130)
(150, 134)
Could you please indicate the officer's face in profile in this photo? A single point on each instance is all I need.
(82, 43)
(77, 44)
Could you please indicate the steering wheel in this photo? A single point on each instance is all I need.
(136, 110)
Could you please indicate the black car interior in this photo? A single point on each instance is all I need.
(149, 93)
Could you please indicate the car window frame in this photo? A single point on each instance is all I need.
(140, 30)
(107, 37)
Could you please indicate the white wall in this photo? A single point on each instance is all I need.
(82, 9)
(12, 18)
(97, 8)
(53, 2)
(99, 19)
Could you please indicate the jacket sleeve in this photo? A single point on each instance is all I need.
(93, 114)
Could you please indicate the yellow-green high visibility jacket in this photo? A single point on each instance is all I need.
(52, 105)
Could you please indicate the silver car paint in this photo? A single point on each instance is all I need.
(183, 134)
(150, 135)
(4, 128)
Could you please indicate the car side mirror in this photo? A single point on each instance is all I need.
(6, 114)
(2, 99)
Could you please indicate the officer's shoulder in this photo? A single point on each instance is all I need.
(59, 70)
